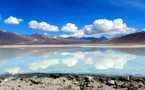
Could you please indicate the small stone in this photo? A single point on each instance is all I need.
(35, 82)
(119, 83)
(31, 84)
(87, 79)
(5, 80)
(88, 85)
(125, 78)
(125, 85)
(101, 86)
(76, 83)
(103, 80)
(131, 88)
(19, 85)
(110, 82)
(140, 84)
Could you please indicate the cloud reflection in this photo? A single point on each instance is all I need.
(42, 64)
(64, 60)
(13, 70)
(99, 59)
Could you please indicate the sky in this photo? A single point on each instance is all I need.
(73, 17)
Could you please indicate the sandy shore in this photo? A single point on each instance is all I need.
(76, 46)
(70, 82)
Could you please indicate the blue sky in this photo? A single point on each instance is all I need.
(78, 13)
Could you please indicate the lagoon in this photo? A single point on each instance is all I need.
(81, 60)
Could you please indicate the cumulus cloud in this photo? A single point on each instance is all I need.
(42, 26)
(100, 27)
(108, 27)
(13, 20)
(77, 34)
(69, 28)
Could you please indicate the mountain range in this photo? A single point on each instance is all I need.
(137, 38)
(10, 38)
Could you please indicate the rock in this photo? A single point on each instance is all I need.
(110, 82)
(19, 85)
(70, 77)
(80, 82)
(140, 84)
(87, 79)
(125, 78)
(76, 83)
(125, 85)
(100, 86)
(103, 80)
(6, 79)
(131, 88)
(119, 83)
(35, 82)
(54, 76)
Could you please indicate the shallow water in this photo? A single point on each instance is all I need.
(73, 60)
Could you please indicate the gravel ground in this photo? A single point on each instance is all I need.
(70, 82)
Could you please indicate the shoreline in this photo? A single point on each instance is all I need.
(76, 46)
(40, 81)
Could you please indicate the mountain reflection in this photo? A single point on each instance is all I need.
(69, 60)
(134, 51)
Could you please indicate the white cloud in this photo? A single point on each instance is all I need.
(77, 34)
(100, 27)
(108, 27)
(43, 64)
(13, 20)
(14, 70)
(42, 26)
(69, 28)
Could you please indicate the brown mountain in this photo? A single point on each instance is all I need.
(138, 37)
(8, 38)
(13, 38)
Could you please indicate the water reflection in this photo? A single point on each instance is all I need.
(72, 60)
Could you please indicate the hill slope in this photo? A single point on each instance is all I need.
(138, 37)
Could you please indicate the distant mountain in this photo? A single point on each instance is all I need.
(44, 39)
(8, 38)
(13, 38)
(138, 37)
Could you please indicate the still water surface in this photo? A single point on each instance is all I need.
(73, 60)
